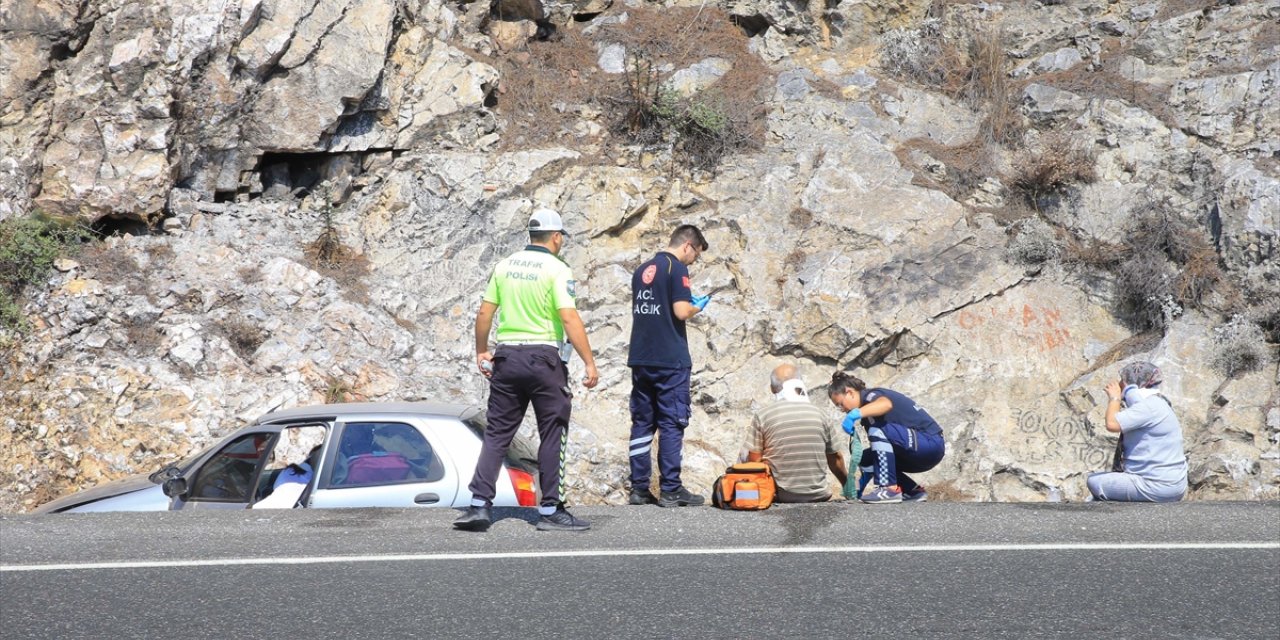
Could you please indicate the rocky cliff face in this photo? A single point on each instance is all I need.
(987, 207)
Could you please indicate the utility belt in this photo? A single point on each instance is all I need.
(563, 349)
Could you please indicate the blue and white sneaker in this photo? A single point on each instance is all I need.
(919, 495)
(883, 495)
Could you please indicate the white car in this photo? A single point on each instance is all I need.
(403, 454)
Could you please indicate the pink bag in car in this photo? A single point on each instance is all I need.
(371, 468)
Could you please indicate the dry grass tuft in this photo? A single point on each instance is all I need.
(337, 390)
(143, 338)
(1045, 173)
(966, 165)
(947, 491)
(328, 256)
(1110, 82)
(250, 274)
(244, 336)
(962, 58)
(540, 88)
(113, 266)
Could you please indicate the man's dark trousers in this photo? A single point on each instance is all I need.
(659, 403)
(524, 374)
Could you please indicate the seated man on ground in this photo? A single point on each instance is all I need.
(1154, 465)
(791, 435)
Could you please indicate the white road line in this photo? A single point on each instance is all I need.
(606, 553)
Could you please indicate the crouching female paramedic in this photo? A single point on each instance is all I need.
(904, 438)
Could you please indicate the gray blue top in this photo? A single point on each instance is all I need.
(1153, 441)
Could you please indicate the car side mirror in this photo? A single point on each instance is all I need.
(175, 487)
(169, 471)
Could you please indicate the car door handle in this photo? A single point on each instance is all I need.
(426, 498)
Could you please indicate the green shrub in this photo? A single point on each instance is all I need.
(10, 312)
(28, 247)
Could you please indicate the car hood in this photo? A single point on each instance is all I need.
(100, 492)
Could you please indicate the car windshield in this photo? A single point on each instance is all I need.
(523, 452)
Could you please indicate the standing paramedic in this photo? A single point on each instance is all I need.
(904, 437)
(662, 301)
(533, 292)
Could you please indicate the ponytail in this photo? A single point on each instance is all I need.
(841, 382)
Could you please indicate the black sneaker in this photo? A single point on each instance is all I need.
(642, 496)
(562, 520)
(474, 519)
(681, 498)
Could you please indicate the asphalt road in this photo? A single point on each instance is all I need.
(1192, 570)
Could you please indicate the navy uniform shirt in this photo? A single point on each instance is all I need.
(905, 412)
(657, 337)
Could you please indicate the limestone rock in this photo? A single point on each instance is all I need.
(697, 77)
(333, 62)
(863, 232)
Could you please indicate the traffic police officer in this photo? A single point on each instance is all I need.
(533, 292)
(662, 301)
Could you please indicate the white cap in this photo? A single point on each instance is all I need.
(545, 220)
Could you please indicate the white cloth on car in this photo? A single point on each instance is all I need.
(288, 488)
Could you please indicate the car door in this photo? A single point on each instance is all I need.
(228, 478)
(404, 461)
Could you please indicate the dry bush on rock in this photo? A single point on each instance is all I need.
(1045, 173)
(548, 92)
(329, 257)
(244, 336)
(1168, 265)
(1035, 242)
(1144, 286)
(1239, 347)
(963, 59)
(112, 265)
(542, 90)
(144, 339)
(964, 166)
(702, 128)
(337, 390)
(1157, 228)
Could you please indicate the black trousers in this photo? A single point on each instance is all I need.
(524, 375)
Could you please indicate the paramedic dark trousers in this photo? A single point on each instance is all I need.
(659, 404)
(896, 449)
(522, 375)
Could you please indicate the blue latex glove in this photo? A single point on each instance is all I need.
(701, 302)
(851, 421)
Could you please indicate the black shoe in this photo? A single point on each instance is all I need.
(474, 519)
(681, 498)
(562, 520)
(642, 496)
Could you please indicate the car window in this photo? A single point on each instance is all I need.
(230, 474)
(378, 453)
